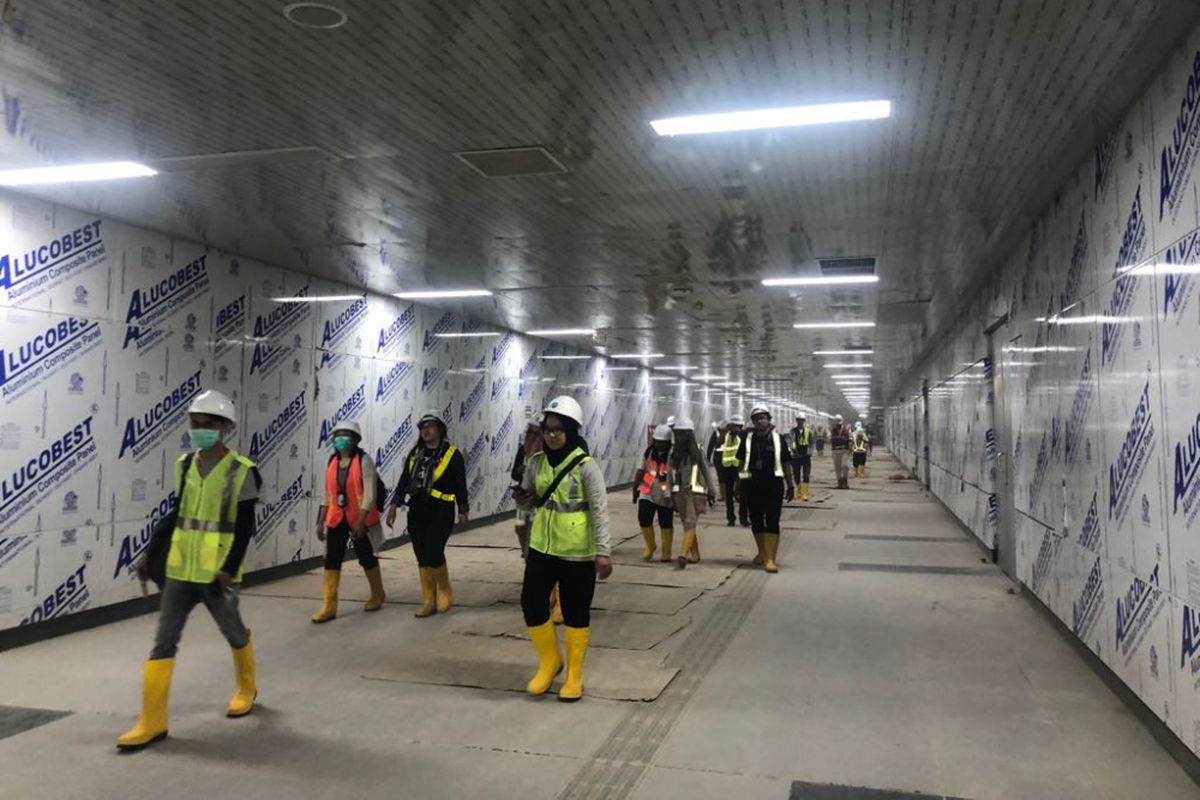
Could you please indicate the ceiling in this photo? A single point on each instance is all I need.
(330, 151)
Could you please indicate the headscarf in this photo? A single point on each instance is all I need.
(686, 448)
(574, 440)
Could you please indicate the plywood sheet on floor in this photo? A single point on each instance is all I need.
(696, 576)
(355, 589)
(610, 629)
(505, 664)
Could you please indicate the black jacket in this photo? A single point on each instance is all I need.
(453, 481)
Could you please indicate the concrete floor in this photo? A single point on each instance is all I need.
(944, 684)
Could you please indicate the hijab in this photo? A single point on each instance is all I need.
(574, 440)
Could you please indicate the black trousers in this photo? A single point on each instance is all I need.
(802, 468)
(729, 479)
(576, 587)
(430, 522)
(765, 498)
(859, 459)
(648, 510)
(336, 540)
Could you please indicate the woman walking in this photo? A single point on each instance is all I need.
(766, 482)
(350, 511)
(692, 489)
(433, 483)
(652, 495)
(569, 545)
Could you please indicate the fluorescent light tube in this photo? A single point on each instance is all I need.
(329, 298)
(638, 355)
(565, 358)
(443, 294)
(847, 365)
(562, 332)
(832, 280)
(867, 352)
(814, 325)
(767, 118)
(472, 335)
(75, 173)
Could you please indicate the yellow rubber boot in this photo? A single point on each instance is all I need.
(329, 596)
(555, 606)
(759, 559)
(152, 724)
(648, 535)
(668, 538)
(577, 646)
(771, 548)
(445, 596)
(550, 663)
(244, 673)
(694, 553)
(375, 579)
(685, 552)
(428, 594)
(804, 491)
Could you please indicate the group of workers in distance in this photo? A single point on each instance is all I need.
(195, 553)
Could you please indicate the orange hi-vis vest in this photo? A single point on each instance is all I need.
(654, 471)
(354, 490)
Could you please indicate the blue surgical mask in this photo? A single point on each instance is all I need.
(204, 438)
(343, 444)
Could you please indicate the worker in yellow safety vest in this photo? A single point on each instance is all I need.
(569, 545)
(433, 484)
(766, 480)
(205, 539)
(726, 459)
(802, 440)
(692, 489)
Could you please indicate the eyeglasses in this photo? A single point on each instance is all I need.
(552, 431)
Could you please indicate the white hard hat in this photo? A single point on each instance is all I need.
(759, 411)
(432, 415)
(662, 433)
(736, 419)
(349, 426)
(858, 426)
(566, 406)
(671, 421)
(215, 404)
(839, 417)
(684, 424)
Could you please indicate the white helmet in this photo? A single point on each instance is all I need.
(737, 419)
(432, 415)
(684, 424)
(759, 411)
(566, 406)
(350, 426)
(839, 418)
(662, 433)
(214, 404)
(858, 426)
(671, 421)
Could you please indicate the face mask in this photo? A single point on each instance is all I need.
(204, 438)
(343, 443)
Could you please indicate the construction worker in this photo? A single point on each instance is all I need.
(802, 438)
(727, 472)
(766, 480)
(569, 545)
(433, 482)
(652, 495)
(350, 511)
(531, 443)
(860, 442)
(839, 440)
(212, 526)
(821, 437)
(714, 442)
(692, 489)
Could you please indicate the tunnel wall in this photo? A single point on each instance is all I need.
(1100, 364)
(108, 332)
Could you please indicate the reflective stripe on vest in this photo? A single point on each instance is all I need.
(775, 439)
(697, 486)
(729, 450)
(653, 471)
(805, 437)
(860, 442)
(563, 526)
(438, 472)
(203, 534)
(354, 495)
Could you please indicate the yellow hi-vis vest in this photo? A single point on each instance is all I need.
(563, 526)
(748, 459)
(438, 472)
(203, 535)
(729, 450)
(697, 485)
(805, 437)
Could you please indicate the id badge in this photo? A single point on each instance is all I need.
(341, 500)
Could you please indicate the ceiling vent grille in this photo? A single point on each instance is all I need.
(512, 162)
(834, 267)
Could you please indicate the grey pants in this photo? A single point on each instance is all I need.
(840, 468)
(178, 600)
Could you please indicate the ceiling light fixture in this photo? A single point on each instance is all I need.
(832, 280)
(443, 294)
(767, 118)
(471, 335)
(712, 378)
(660, 378)
(638, 355)
(329, 298)
(562, 332)
(565, 358)
(75, 173)
(815, 325)
(677, 368)
(866, 352)
(621, 369)
(846, 365)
